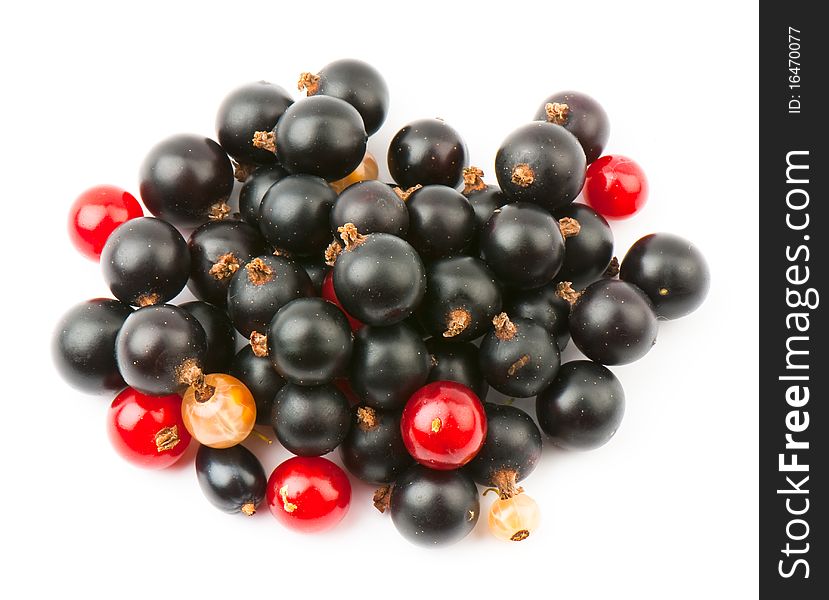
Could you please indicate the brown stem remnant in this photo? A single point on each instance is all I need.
(259, 344)
(281, 252)
(404, 194)
(241, 171)
(265, 140)
(249, 508)
(147, 299)
(332, 252)
(286, 504)
(437, 424)
(520, 535)
(308, 82)
(366, 418)
(569, 227)
(505, 329)
(225, 266)
(473, 180)
(565, 291)
(506, 480)
(457, 321)
(219, 211)
(612, 269)
(523, 175)
(518, 365)
(382, 498)
(259, 272)
(191, 374)
(350, 236)
(167, 439)
(557, 112)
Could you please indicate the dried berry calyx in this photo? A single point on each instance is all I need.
(265, 140)
(557, 112)
(523, 175)
(225, 266)
(259, 272)
(473, 180)
(569, 227)
(350, 236)
(505, 329)
(404, 194)
(308, 82)
(456, 322)
(565, 290)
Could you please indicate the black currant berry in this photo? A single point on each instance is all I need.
(263, 286)
(582, 116)
(670, 270)
(461, 298)
(372, 207)
(259, 376)
(544, 306)
(433, 508)
(254, 188)
(219, 334)
(483, 198)
(512, 447)
(145, 261)
(309, 341)
(388, 365)
(217, 250)
(541, 163)
(247, 109)
(456, 361)
(427, 152)
(321, 136)
(373, 450)
(295, 213)
(83, 346)
(158, 348)
(588, 252)
(316, 269)
(523, 245)
(441, 221)
(583, 407)
(310, 420)
(519, 358)
(232, 479)
(356, 82)
(378, 278)
(186, 179)
(613, 322)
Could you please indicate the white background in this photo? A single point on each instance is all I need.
(668, 509)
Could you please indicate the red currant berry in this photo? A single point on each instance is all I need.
(147, 430)
(615, 186)
(329, 294)
(96, 213)
(443, 425)
(308, 493)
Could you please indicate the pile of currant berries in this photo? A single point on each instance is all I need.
(375, 316)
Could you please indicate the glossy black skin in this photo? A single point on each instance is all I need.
(251, 306)
(388, 365)
(613, 322)
(381, 281)
(250, 108)
(456, 361)
(441, 222)
(586, 255)
(544, 307)
(294, 215)
(586, 120)
(231, 477)
(460, 282)
(321, 136)
(373, 207)
(316, 269)
(183, 176)
(497, 356)
(523, 245)
(154, 343)
(555, 157)
(254, 188)
(434, 508)
(219, 334)
(513, 443)
(670, 270)
(359, 84)
(484, 202)
(213, 240)
(145, 256)
(425, 152)
(375, 454)
(83, 345)
(259, 376)
(583, 407)
(309, 342)
(310, 420)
